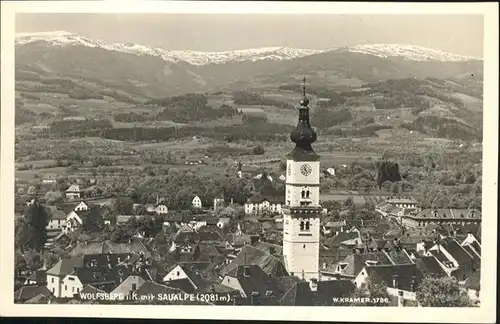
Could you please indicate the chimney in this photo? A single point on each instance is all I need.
(395, 281)
(412, 284)
(400, 299)
(246, 271)
(313, 284)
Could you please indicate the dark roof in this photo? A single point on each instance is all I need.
(474, 281)
(336, 240)
(197, 236)
(135, 246)
(404, 273)
(250, 255)
(90, 289)
(476, 247)
(356, 262)
(456, 251)
(448, 214)
(256, 281)
(429, 266)
(184, 285)
(471, 252)
(154, 288)
(440, 256)
(39, 276)
(301, 295)
(194, 276)
(39, 299)
(238, 240)
(65, 266)
(276, 250)
(398, 256)
(27, 292)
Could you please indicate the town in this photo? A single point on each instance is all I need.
(281, 245)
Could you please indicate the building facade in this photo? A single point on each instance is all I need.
(301, 212)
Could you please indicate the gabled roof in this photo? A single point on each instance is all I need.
(39, 299)
(274, 249)
(28, 292)
(301, 295)
(256, 281)
(472, 253)
(184, 285)
(398, 256)
(356, 262)
(73, 188)
(90, 289)
(404, 273)
(456, 251)
(125, 287)
(65, 266)
(250, 255)
(39, 276)
(336, 240)
(429, 266)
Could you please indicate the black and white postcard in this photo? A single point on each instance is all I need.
(161, 158)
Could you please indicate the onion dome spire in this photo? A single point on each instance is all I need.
(303, 135)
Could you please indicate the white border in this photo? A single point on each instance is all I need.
(486, 313)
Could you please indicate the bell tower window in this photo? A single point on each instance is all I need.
(308, 225)
(303, 193)
(307, 194)
(302, 225)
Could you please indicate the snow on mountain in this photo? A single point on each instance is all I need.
(62, 38)
(410, 52)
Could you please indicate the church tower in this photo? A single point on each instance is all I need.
(301, 213)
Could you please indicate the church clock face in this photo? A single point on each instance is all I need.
(306, 169)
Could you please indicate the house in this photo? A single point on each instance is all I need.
(452, 258)
(196, 202)
(252, 282)
(330, 171)
(351, 266)
(73, 222)
(133, 247)
(73, 192)
(187, 276)
(128, 286)
(334, 227)
(259, 205)
(218, 202)
(442, 216)
(403, 202)
(124, 219)
(26, 293)
(50, 179)
(472, 285)
(429, 266)
(402, 280)
(60, 240)
(57, 218)
(58, 272)
(161, 209)
(38, 278)
(270, 264)
(317, 293)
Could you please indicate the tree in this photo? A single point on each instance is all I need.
(349, 203)
(374, 289)
(258, 150)
(123, 205)
(53, 197)
(34, 231)
(441, 292)
(93, 221)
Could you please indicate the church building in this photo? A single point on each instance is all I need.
(301, 212)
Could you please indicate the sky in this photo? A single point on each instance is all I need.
(460, 34)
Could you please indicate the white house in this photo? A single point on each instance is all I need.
(196, 202)
(218, 202)
(49, 180)
(73, 192)
(57, 219)
(175, 274)
(60, 282)
(331, 171)
(402, 279)
(81, 206)
(73, 221)
(161, 209)
(259, 205)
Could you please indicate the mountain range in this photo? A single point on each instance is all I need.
(153, 72)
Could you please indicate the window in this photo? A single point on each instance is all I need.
(304, 246)
(178, 273)
(307, 225)
(65, 287)
(77, 290)
(307, 194)
(52, 280)
(134, 287)
(303, 193)
(301, 225)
